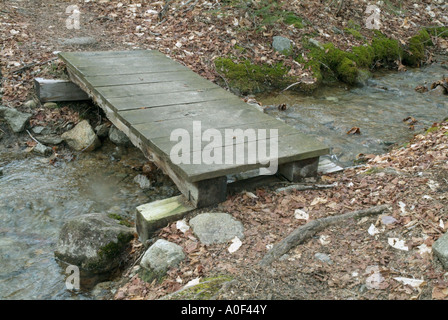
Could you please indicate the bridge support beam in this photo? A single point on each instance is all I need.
(298, 170)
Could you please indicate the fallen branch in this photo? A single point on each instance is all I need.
(302, 187)
(33, 65)
(303, 233)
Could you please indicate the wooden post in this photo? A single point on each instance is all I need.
(298, 170)
(58, 90)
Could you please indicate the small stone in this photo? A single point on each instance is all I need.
(42, 149)
(118, 137)
(282, 45)
(82, 137)
(102, 130)
(142, 181)
(440, 249)
(323, 257)
(50, 105)
(162, 255)
(38, 129)
(50, 139)
(216, 227)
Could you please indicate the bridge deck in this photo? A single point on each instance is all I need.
(147, 96)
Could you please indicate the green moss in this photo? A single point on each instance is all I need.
(415, 51)
(363, 56)
(385, 49)
(120, 219)
(205, 290)
(114, 249)
(151, 275)
(355, 33)
(248, 77)
(439, 32)
(432, 129)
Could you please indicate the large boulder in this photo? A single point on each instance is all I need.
(216, 227)
(82, 137)
(161, 256)
(96, 244)
(16, 119)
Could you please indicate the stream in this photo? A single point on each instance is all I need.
(36, 198)
(377, 109)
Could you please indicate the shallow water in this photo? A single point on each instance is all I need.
(378, 109)
(36, 198)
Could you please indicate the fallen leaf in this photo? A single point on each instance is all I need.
(301, 215)
(236, 244)
(397, 244)
(354, 130)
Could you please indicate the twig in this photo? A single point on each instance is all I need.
(301, 187)
(32, 65)
(303, 233)
(291, 85)
(32, 137)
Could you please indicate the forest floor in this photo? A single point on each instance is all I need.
(411, 180)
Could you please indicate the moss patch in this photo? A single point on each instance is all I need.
(120, 219)
(415, 50)
(247, 77)
(207, 289)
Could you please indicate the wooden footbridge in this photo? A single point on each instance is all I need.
(148, 96)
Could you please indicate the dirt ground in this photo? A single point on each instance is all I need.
(412, 181)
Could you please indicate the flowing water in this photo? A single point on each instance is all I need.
(36, 198)
(377, 109)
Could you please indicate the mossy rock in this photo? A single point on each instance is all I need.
(95, 243)
(415, 50)
(206, 289)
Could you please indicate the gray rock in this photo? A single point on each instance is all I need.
(142, 181)
(38, 129)
(216, 227)
(79, 41)
(282, 45)
(161, 256)
(118, 137)
(50, 139)
(50, 105)
(440, 249)
(16, 119)
(82, 137)
(102, 130)
(95, 243)
(323, 257)
(42, 149)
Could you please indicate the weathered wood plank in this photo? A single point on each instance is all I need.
(167, 99)
(158, 214)
(179, 111)
(154, 88)
(120, 70)
(298, 170)
(125, 79)
(58, 90)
